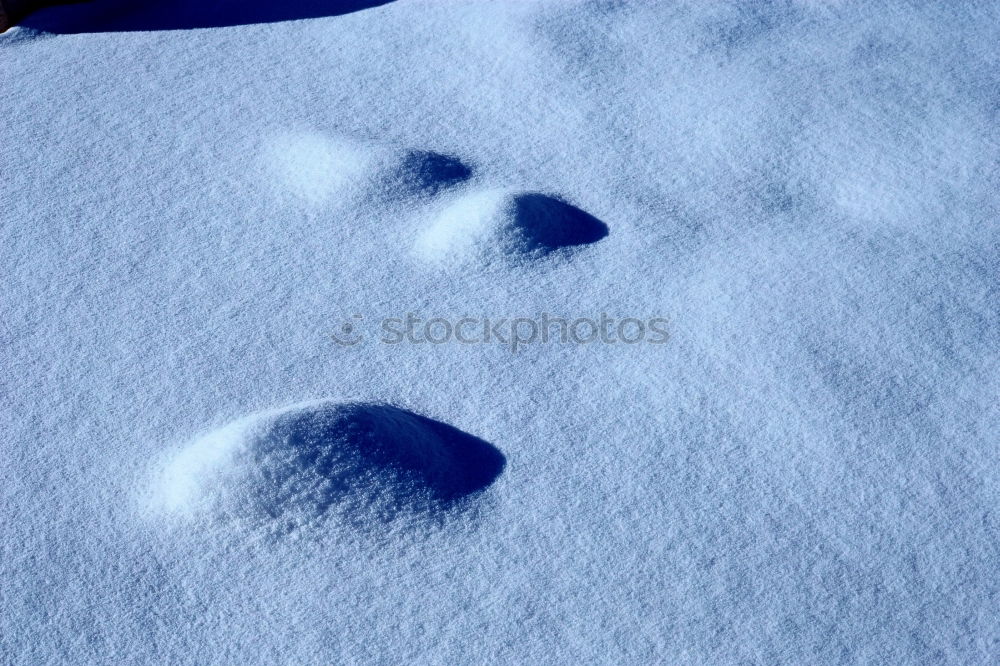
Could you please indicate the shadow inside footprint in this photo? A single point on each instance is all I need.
(423, 171)
(542, 224)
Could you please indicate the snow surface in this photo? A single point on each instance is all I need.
(194, 200)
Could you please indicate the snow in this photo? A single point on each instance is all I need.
(195, 199)
(511, 226)
(314, 167)
(290, 469)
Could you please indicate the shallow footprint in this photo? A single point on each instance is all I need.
(513, 226)
(365, 463)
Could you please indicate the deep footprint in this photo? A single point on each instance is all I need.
(365, 463)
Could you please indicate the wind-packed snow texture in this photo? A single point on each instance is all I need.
(200, 199)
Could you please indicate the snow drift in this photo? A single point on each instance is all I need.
(292, 466)
(489, 225)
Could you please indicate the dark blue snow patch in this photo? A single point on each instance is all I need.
(370, 450)
(540, 224)
(427, 172)
(139, 15)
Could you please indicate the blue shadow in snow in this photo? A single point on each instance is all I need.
(135, 15)
(366, 455)
(544, 224)
(426, 172)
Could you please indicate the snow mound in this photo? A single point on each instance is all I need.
(515, 226)
(290, 467)
(426, 172)
(315, 168)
